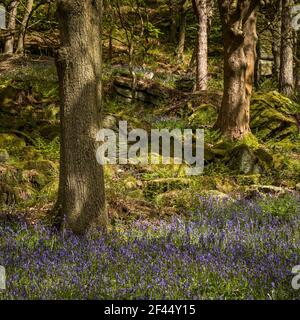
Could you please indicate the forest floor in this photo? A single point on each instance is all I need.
(212, 226)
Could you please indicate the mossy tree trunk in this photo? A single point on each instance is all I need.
(81, 191)
(287, 44)
(239, 34)
(11, 26)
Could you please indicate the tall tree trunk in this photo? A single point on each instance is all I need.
(200, 7)
(276, 42)
(173, 22)
(81, 192)
(297, 68)
(11, 25)
(239, 33)
(276, 55)
(24, 23)
(182, 30)
(286, 55)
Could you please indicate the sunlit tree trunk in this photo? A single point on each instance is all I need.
(81, 192)
(11, 26)
(286, 57)
(239, 33)
(200, 8)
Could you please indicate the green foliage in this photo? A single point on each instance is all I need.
(284, 207)
(49, 150)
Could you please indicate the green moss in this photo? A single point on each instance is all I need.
(13, 144)
(47, 167)
(272, 116)
(205, 116)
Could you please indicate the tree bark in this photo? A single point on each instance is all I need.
(24, 23)
(81, 196)
(297, 68)
(239, 33)
(182, 30)
(173, 22)
(11, 25)
(286, 83)
(200, 8)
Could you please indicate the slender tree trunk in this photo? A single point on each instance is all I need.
(239, 62)
(276, 55)
(11, 25)
(257, 72)
(297, 69)
(173, 22)
(276, 40)
(182, 31)
(202, 44)
(22, 33)
(81, 192)
(286, 56)
(110, 45)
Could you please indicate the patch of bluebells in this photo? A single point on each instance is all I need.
(222, 250)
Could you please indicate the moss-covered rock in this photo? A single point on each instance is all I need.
(12, 143)
(273, 116)
(156, 186)
(35, 178)
(244, 160)
(175, 199)
(217, 195)
(47, 167)
(8, 195)
(30, 153)
(4, 156)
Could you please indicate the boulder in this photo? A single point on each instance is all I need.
(44, 166)
(244, 160)
(273, 116)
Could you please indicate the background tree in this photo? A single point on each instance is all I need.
(21, 37)
(200, 7)
(81, 191)
(182, 28)
(11, 25)
(287, 51)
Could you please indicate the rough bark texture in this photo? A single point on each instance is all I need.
(200, 8)
(81, 193)
(11, 25)
(286, 56)
(239, 32)
(28, 9)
